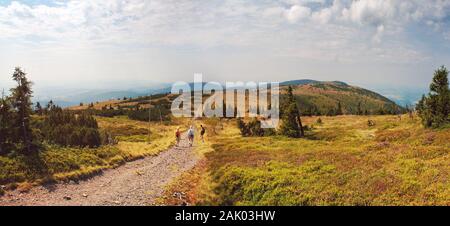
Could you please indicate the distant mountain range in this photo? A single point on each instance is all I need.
(402, 95)
(71, 97)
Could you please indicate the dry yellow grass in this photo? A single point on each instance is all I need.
(62, 164)
(342, 161)
(115, 103)
(134, 140)
(97, 106)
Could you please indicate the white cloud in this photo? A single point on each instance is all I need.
(379, 33)
(320, 30)
(174, 22)
(297, 12)
(374, 12)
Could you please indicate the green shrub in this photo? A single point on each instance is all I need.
(254, 129)
(155, 114)
(66, 128)
(277, 183)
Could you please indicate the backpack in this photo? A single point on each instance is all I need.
(203, 130)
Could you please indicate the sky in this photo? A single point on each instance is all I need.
(90, 43)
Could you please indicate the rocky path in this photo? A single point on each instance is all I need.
(136, 183)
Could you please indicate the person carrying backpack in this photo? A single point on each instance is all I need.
(191, 135)
(202, 133)
(178, 136)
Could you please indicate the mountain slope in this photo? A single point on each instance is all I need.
(316, 96)
(298, 82)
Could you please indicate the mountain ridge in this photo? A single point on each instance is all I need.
(324, 97)
(313, 97)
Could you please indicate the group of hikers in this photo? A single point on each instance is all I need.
(190, 135)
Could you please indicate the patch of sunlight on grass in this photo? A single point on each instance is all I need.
(141, 149)
(342, 161)
(71, 163)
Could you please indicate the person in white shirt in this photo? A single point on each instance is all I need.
(191, 135)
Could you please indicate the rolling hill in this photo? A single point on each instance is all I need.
(321, 97)
(314, 98)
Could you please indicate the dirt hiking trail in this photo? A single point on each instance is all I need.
(137, 183)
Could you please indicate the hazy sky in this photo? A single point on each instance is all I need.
(386, 42)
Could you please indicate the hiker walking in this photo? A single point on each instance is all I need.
(202, 133)
(178, 136)
(191, 136)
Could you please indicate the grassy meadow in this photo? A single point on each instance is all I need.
(342, 161)
(56, 163)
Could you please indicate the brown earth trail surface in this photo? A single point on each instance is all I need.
(136, 183)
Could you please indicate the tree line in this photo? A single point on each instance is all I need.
(392, 109)
(24, 133)
(160, 110)
(66, 128)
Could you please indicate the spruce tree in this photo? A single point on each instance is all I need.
(339, 109)
(5, 125)
(50, 105)
(440, 97)
(359, 110)
(291, 125)
(434, 110)
(38, 109)
(21, 102)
